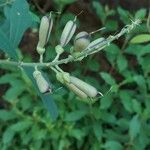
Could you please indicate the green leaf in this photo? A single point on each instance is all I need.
(14, 91)
(6, 115)
(142, 38)
(112, 52)
(75, 115)
(99, 10)
(77, 133)
(106, 102)
(18, 19)
(8, 136)
(111, 25)
(124, 15)
(98, 130)
(136, 106)
(108, 78)
(140, 80)
(93, 65)
(122, 63)
(140, 14)
(46, 98)
(126, 100)
(134, 127)
(21, 126)
(113, 145)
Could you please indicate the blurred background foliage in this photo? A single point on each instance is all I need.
(120, 120)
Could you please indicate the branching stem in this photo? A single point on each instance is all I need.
(70, 58)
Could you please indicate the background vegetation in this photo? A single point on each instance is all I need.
(120, 120)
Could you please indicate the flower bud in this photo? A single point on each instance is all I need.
(81, 41)
(89, 90)
(44, 32)
(41, 82)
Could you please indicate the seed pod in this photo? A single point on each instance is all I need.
(81, 41)
(97, 43)
(68, 32)
(44, 31)
(41, 82)
(76, 90)
(84, 87)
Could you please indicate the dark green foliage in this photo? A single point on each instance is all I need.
(117, 121)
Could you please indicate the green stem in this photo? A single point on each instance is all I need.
(70, 58)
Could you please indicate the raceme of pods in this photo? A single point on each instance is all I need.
(44, 33)
(41, 82)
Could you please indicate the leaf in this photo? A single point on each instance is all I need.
(124, 15)
(99, 10)
(18, 19)
(46, 98)
(98, 130)
(113, 145)
(126, 100)
(14, 91)
(112, 52)
(136, 106)
(134, 127)
(21, 126)
(75, 115)
(140, 14)
(140, 80)
(122, 63)
(6, 115)
(108, 78)
(8, 136)
(106, 102)
(93, 65)
(142, 38)
(111, 25)
(77, 133)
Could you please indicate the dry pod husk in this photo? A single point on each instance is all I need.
(41, 82)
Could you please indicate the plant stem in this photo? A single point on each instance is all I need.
(70, 58)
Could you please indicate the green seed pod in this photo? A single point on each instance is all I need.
(89, 90)
(41, 82)
(97, 43)
(67, 33)
(44, 32)
(76, 90)
(81, 41)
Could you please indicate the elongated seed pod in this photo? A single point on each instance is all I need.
(81, 41)
(84, 87)
(41, 82)
(67, 33)
(76, 90)
(97, 43)
(44, 31)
